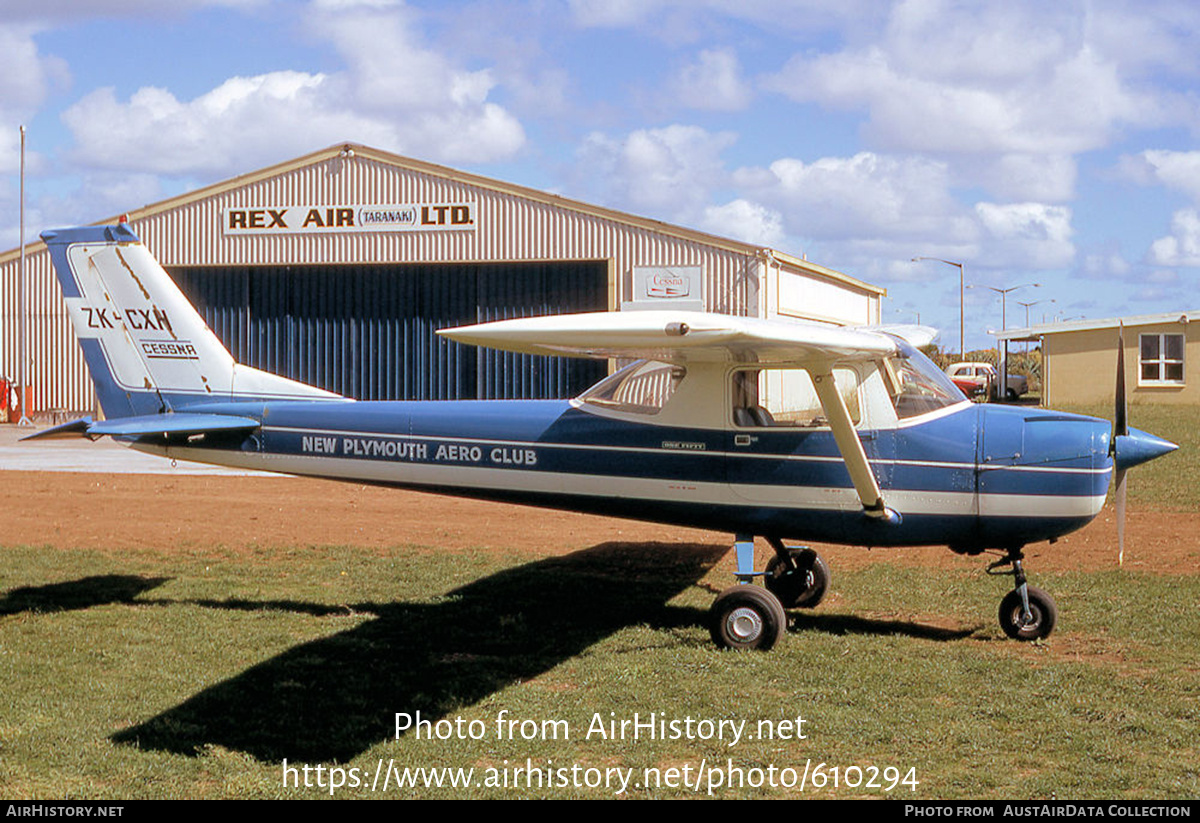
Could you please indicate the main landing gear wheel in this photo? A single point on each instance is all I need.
(1043, 614)
(746, 617)
(803, 585)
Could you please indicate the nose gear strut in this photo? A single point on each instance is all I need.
(1027, 612)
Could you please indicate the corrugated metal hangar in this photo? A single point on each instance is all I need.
(336, 268)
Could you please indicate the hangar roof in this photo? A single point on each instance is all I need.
(479, 181)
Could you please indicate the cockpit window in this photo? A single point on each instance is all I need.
(769, 397)
(916, 385)
(643, 387)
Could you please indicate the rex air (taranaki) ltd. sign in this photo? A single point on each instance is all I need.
(349, 218)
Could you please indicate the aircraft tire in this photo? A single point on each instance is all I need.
(746, 617)
(1041, 607)
(802, 588)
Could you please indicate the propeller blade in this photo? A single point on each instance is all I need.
(1121, 413)
(1120, 429)
(1120, 500)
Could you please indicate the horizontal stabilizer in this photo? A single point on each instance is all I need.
(164, 425)
(76, 428)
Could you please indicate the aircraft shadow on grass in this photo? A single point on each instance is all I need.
(851, 624)
(71, 595)
(333, 698)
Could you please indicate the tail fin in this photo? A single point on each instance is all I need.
(147, 348)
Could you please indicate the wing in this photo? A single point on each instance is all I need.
(677, 336)
(682, 336)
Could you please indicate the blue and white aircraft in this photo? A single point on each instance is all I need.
(758, 428)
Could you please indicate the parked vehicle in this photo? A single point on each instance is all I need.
(981, 379)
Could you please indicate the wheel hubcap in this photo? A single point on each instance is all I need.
(744, 624)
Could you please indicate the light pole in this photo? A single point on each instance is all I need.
(1003, 370)
(962, 323)
(1034, 303)
(1027, 305)
(23, 376)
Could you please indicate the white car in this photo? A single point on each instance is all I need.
(980, 378)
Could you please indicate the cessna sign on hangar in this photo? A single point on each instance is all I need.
(306, 219)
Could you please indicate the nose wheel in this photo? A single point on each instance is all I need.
(1034, 624)
(1027, 612)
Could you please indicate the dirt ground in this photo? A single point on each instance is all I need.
(169, 513)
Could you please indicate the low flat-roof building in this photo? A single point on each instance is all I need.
(1079, 358)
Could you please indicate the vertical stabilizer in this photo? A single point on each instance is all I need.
(147, 348)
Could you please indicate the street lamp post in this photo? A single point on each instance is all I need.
(962, 323)
(1027, 305)
(23, 374)
(1003, 376)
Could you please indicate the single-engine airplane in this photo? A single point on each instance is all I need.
(755, 427)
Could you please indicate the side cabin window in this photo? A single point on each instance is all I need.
(787, 398)
(643, 387)
(916, 385)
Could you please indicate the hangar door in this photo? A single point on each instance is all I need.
(367, 331)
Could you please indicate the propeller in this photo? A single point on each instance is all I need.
(1120, 429)
(1128, 447)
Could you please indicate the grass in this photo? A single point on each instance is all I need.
(197, 676)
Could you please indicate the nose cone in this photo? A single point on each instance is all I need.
(1139, 447)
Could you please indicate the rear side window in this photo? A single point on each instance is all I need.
(643, 387)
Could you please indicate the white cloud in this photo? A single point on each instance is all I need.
(26, 77)
(688, 20)
(668, 172)
(244, 122)
(73, 11)
(1027, 235)
(867, 195)
(1182, 246)
(745, 221)
(911, 109)
(395, 93)
(1007, 93)
(873, 213)
(1041, 177)
(611, 13)
(713, 83)
(1179, 170)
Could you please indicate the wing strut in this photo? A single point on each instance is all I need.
(851, 447)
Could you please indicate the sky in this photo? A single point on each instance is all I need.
(1035, 143)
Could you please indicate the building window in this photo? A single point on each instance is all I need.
(1161, 358)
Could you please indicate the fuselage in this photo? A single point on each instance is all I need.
(966, 475)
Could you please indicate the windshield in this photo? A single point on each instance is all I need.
(917, 385)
